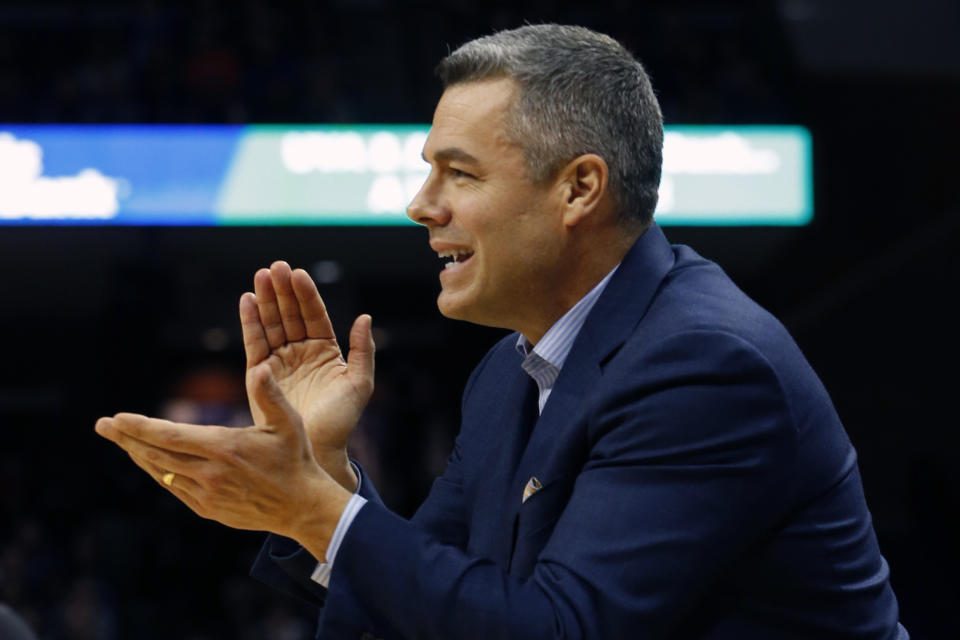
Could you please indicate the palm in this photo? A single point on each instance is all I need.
(286, 326)
(317, 382)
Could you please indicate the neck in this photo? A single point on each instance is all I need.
(588, 265)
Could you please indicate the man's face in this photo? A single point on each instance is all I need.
(499, 231)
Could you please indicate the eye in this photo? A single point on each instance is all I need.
(459, 173)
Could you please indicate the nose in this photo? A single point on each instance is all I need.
(425, 207)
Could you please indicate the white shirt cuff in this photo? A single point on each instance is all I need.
(321, 575)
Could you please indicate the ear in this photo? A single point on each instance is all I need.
(584, 185)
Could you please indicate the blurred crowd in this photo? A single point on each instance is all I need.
(352, 60)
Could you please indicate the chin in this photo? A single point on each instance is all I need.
(450, 309)
(459, 310)
(457, 306)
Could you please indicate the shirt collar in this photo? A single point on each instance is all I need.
(555, 345)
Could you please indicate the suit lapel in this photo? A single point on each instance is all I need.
(515, 424)
(622, 304)
(612, 320)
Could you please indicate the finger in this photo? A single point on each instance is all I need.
(184, 488)
(269, 309)
(270, 399)
(255, 344)
(163, 466)
(179, 482)
(360, 360)
(312, 309)
(290, 316)
(183, 463)
(199, 441)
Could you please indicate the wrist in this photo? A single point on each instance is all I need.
(337, 464)
(319, 516)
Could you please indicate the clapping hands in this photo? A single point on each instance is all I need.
(288, 473)
(286, 327)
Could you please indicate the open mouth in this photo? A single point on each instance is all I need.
(454, 257)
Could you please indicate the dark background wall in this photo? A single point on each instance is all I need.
(98, 320)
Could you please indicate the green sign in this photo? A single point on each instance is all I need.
(368, 175)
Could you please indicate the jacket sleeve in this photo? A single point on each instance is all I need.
(284, 565)
(691, 445)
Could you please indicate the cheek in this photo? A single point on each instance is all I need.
(512, 233)
(513, 258)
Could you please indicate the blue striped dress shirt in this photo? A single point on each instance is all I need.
(544, 361)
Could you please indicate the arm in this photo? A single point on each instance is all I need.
(286, 566)
(691, 450)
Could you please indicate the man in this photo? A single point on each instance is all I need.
(648, 456)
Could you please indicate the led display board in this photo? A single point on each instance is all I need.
(347, 175)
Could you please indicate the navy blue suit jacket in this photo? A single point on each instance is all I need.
(697, 483)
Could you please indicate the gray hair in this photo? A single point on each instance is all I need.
(580, 92)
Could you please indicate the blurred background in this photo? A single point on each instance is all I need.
(97, 320)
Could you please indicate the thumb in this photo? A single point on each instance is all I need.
(362, 348)
(270, 399)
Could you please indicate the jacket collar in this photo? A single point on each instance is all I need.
(612, 320)
(623, 303)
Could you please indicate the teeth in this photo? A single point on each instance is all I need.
(455, 254)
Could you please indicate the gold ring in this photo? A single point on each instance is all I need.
(168, 478)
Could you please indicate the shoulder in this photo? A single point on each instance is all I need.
(705, 363)
(698, 311)
(706, 379)
(701, 326)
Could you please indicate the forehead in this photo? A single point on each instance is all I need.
(472, 116)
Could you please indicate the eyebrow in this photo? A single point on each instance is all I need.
(452, 154)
